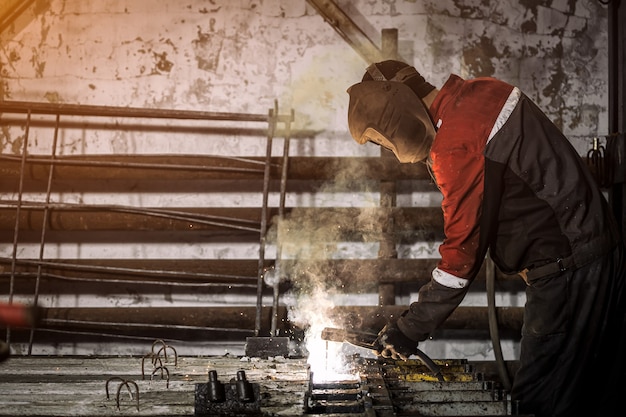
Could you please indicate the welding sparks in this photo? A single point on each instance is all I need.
(326, 359)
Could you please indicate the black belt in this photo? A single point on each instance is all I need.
(585, 254)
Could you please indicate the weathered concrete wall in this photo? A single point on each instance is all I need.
(240, 56)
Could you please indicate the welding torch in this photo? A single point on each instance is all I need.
(369, 341)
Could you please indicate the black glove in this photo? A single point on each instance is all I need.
(392, 343)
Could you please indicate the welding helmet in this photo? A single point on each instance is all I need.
(388, 110)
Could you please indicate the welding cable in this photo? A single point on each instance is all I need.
(434, 368)
(493, 323)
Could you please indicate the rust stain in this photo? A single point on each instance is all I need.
(207, 47)
(479, 57)
(162, 64)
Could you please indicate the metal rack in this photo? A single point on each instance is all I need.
(26, 166)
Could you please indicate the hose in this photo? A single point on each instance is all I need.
(434, 368)
(493, 323)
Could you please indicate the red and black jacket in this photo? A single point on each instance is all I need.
(511, 183)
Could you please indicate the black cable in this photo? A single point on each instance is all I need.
(493, 324)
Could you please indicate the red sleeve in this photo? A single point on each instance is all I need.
(459, 171)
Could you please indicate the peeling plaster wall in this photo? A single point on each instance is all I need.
(241, 56)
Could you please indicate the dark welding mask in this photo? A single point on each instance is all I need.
(390, 114)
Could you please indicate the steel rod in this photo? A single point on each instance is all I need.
(17, 216)
(128, 271)
(137, 282)
(113, 164)
(281, 214)
(264, 213)
(44, 227)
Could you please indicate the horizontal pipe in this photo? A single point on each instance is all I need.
(230, 270)
(353, 317)
(66, 109)
(463, 318)
(188, 167)
(351, 275)
(88, 218)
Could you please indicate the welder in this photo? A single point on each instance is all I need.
(512, 184)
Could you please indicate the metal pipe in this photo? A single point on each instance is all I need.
(9, 106)
(152, 212)
(223, 316)
(321, 168)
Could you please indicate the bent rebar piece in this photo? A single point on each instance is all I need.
(154, 360)
(127, 384)
(164, 349)
(162, 368)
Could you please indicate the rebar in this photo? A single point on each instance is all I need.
(262, 240)
(17, 217)
(163, 349)
(123, 382)
(44, 227)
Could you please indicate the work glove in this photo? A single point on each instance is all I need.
(392, 343)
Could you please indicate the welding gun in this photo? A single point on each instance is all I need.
(369, 341)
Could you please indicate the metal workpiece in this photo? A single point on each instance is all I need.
(216, 392)
(386, 388)
(334, 397)
(238, 397)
